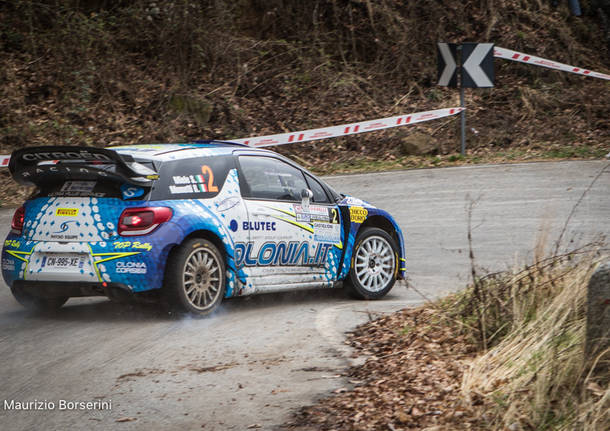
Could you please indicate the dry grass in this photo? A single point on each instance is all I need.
(427, 368)
(536, 375)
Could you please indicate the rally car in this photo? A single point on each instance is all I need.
(190, 224)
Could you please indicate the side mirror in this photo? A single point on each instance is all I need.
(306, 196)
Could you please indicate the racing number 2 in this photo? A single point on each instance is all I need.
(334, 215)
(205, 170)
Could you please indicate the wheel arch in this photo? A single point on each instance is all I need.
(383, 221)
(210, 236)
(226, 249)
(203, 234)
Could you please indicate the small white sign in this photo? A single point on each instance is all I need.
(327, 232)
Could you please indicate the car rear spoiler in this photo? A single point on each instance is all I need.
(35, 165)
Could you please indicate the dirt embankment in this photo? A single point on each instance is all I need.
(112, 72)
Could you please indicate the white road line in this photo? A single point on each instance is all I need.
(327, 327)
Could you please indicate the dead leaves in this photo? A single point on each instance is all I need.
(410, 380)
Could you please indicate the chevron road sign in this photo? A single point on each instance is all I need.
(477, 65)
(447, 64)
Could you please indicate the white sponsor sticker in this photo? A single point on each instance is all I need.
(355, 201)
(313, 212)
(303, 217)
(131, 268)
(327, 232)
(8, 265)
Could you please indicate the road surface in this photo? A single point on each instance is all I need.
(262, 357)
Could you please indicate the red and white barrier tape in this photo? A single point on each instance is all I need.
(333, 131)
(543, 62)
(347, 129)
(389, 122)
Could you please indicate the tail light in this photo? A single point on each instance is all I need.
(142, 221)
(18, 218)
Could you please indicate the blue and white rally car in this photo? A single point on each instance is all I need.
(189, 223)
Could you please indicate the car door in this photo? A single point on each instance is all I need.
(292, 243)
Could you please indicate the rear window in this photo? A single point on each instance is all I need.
(196, 178)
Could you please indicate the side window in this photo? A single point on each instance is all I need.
(319, 195)
(269, 178)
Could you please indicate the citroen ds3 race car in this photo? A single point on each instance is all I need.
(189, 223)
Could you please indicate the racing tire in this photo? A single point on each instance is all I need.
(36, 303)
(374, 265)
(195, 278)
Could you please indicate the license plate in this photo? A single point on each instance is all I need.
(65, 261)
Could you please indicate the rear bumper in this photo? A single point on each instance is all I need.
(139, 266)
(55, 289)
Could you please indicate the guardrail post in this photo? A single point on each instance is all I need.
(598, 314)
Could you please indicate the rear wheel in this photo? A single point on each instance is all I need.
(37, 303)
(374, 264)
(195, 277)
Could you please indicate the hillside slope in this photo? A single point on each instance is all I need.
(106, 72)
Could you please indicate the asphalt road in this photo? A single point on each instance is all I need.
(259, 358)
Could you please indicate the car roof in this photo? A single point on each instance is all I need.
(177, 151)
(180, 151)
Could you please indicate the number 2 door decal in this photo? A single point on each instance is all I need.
(334, 215)
(205, 170)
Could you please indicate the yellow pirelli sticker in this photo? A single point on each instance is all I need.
(66, 212)
(358, 214)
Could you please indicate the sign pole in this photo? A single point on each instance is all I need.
(463, 121)
(460, 70)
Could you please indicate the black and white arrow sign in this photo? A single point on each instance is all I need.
(477, 65)
(447, 64)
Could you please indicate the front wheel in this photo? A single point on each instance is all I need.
(195, 277)
(374, 264)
